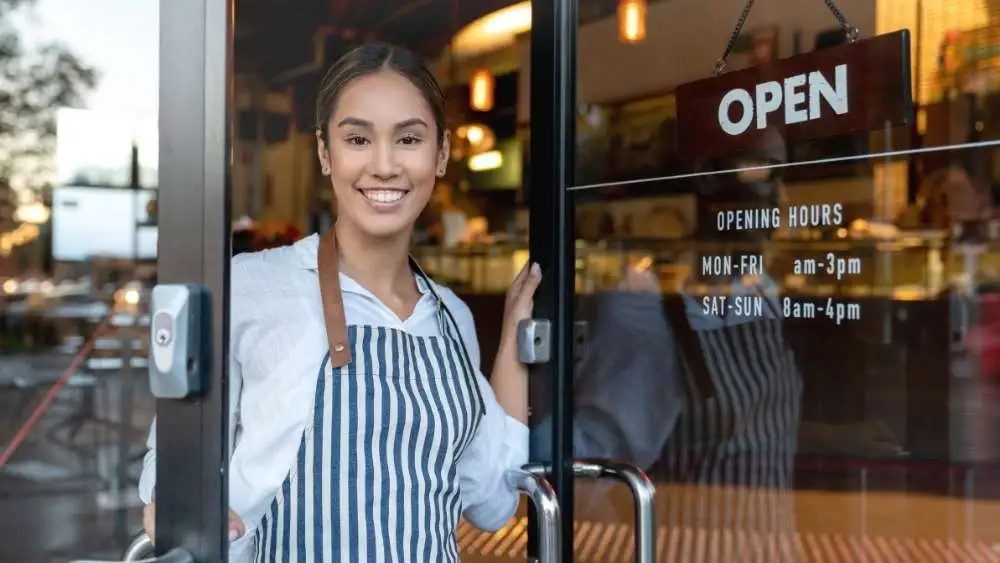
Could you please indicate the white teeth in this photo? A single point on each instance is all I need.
(384, 196)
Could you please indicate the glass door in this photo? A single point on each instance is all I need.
(572, 454)
(789, 337)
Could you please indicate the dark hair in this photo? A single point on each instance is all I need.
(369, 59)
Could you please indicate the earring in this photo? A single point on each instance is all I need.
(326, 171)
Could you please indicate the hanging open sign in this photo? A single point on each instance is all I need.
(861, 86)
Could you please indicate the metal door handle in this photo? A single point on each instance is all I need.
(643, 495)
(531, 482)
(140, 548)
(176, 555)
(141, 551)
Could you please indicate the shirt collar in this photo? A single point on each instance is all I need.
(307, 252)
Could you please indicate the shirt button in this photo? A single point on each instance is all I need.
(338, 348)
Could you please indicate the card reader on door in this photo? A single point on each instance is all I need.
(179, 333)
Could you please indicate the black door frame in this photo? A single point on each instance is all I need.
(195, 128)
(194, 247)
(552, 235)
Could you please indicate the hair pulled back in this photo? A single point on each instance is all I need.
(372, 58)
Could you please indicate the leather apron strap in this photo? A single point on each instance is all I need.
(333, 300)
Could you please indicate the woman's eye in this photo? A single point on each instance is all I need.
(356, 140)
(409, 140)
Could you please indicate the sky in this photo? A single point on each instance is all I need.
(120, 39)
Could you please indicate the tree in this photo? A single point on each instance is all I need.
(33, 86)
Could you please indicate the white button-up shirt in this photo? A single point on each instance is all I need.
(277, 344)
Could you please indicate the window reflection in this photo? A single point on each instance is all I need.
(852, 408)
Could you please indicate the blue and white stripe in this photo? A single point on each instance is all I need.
(376, 478)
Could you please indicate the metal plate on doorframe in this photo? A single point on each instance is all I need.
(534, 341)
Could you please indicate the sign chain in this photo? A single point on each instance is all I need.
(720, 66)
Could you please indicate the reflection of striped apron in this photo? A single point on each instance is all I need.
(732, 450)
(376, 475)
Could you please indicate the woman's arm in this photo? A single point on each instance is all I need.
(501, 442)
(147, 478)
(510, 377)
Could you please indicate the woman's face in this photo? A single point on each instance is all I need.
(383, 157)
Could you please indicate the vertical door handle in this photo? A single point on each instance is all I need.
(643, 496)
(530, 481)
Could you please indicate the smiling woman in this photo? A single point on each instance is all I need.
(347, 323)
(383, 170)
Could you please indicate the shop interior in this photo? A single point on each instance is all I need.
(914, 260)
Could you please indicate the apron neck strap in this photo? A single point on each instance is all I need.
(333, 300)
(336, 322)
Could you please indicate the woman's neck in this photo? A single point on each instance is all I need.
(380, 265)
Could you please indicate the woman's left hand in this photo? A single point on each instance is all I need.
(510, 377)
(519, 303)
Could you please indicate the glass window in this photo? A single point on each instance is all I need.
(78, 241)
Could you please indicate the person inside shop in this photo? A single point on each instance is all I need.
(708, 400)
(446, 220)
(363, 428)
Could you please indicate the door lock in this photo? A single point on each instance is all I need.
(178, 351)
(534, 341)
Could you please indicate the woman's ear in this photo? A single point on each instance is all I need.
(444, 154)
(322, 153)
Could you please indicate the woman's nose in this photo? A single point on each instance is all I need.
(384, 163)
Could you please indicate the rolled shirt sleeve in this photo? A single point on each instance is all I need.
(147, 478)
(501, 444)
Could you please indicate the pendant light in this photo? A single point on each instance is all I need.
(631, 20)
(481, 90)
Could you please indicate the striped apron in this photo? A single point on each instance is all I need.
(729, 460)
(376, 478)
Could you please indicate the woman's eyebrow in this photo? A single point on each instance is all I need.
(413, 121)
(358, 122)
(354, 122)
